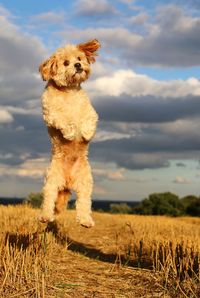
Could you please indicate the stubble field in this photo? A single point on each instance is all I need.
(122, 256)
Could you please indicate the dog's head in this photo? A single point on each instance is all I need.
(69, 66)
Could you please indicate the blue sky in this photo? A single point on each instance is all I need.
(145, 87)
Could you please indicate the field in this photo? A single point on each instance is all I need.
(122, 256)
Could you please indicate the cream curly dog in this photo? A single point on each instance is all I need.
(71, 122)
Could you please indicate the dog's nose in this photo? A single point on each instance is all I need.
(77, 65)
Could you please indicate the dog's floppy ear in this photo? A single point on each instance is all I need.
(90, 48)
(48, 68)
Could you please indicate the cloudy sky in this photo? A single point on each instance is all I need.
(145, 87)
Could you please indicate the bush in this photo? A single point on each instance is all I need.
(189, 200)
(35, 199)
(161, 204)
(144, 208)
(120, 208)
(193, 208)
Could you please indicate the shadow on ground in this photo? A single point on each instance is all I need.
(23, 241)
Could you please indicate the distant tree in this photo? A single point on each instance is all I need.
(188, 200)
(161, 204)
(193, 208)
(35, 199)
(100, 210)
(144, 208)
(122, 208)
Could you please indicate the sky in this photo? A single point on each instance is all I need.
(144, 85)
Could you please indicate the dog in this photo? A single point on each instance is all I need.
(71, 121)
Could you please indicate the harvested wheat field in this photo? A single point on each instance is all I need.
(122, 256)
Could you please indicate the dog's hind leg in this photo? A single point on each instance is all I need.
(83, 186)
(54, 183)
(62, 200)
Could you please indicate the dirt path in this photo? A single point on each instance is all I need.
(80, 276)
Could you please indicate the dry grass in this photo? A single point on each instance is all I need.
(122, 256)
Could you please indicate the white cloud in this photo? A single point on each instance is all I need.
(33, 109)
(181, 180)
(99, 190)
(118, 38)
(182, 128)
(139, 19)
(134, 84)
(174, 18)
(114, 175)
(18, 50)
(6, 156)
(91, 8)
(100, 69)
(103, 135)
(20, 56)
(130, 4)
(32, 168)
(4, 12)
(117, 175)
(170, 40)
(5, 116)
(49, 17)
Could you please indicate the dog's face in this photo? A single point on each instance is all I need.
(70, 66)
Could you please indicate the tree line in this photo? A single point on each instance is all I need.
(166, 203)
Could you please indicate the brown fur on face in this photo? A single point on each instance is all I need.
(60, 67)
(48, 68)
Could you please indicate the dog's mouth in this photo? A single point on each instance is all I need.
(79, 70)
(79, 75)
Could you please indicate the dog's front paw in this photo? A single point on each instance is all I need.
(88, 127)
(86, 221)
(70, 132)
(87, 133)
(45, 218)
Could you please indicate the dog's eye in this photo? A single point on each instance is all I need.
(66, 63)
(79, 59)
